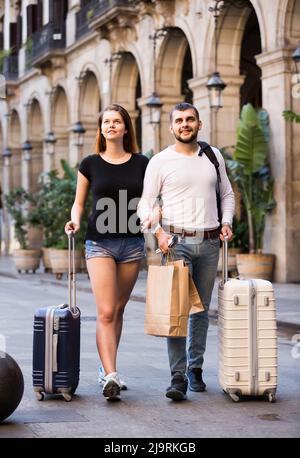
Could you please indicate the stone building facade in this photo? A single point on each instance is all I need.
(65, 60)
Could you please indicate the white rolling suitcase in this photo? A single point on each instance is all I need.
(247, 336)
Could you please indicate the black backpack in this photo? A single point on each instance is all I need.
(207, 150)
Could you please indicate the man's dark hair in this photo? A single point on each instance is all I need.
(183, 106)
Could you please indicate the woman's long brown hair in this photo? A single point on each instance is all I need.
(129, 139)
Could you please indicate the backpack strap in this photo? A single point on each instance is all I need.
(208, 151)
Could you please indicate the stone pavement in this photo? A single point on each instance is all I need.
(287, 294)
(144, 411)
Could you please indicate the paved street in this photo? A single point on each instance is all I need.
(144, 411)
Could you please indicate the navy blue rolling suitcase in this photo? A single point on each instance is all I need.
(56, 342)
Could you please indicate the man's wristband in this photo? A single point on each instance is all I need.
(227, 224)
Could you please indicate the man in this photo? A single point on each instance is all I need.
(185, 180)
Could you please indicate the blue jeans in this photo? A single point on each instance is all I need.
(202, 260)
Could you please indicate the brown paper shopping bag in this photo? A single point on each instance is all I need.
(194, 298)
(168, 301)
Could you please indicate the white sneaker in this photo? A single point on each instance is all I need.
(111, 387)
(101, 379)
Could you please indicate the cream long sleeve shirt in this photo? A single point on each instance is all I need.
(186, 186)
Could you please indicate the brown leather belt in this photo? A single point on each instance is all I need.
(214, 233)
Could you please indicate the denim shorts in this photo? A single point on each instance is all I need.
(121, 249)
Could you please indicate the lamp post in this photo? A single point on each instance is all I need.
(6, 156)
(154, 103)
(50, 141)
(215, 85)
(79, 131)
(27, 148)
(215, 88)
(115, 56)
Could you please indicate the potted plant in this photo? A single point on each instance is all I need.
(249, 169)
(16, 201)
(54, 203)
(89, 14)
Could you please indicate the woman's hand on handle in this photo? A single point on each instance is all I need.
(70, 226)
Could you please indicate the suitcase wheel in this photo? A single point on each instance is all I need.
(39, 396)
(235, 397)
(271, 397)
(67, 397)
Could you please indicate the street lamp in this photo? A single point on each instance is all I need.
(50, 141)
(26, 148)
(154, 102)
(296, 59)
(79, 131)
(215, 85)
(6, 156)
(215, 88)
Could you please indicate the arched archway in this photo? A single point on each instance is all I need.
(251, 89)
(126, 90)
(174, 70)
(35, 136)
(89, 106)
(238, 42)
(61, 124)
(288, 23)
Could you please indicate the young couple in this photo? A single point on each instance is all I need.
(125, 189)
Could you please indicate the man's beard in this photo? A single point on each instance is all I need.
(187, 140)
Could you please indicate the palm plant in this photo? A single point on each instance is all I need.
(249, 168)
(291, 116)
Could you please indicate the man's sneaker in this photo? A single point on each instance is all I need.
(101, 379)
(195, 379)
(111, 387)
(177, 389)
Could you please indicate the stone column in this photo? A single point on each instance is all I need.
(201, 102)
(149, 137)
(25, 172)
(219, 129)
(282, 235)
(75, 151)
(6, 218)
(228, 116)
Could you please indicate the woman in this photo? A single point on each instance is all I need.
(114, 243)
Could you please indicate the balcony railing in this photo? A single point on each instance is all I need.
(11, 67)
(83, 17)
(98, 12)
(50, 38)
(104, 6)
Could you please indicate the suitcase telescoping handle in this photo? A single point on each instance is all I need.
(225, 260)
(72, 273)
